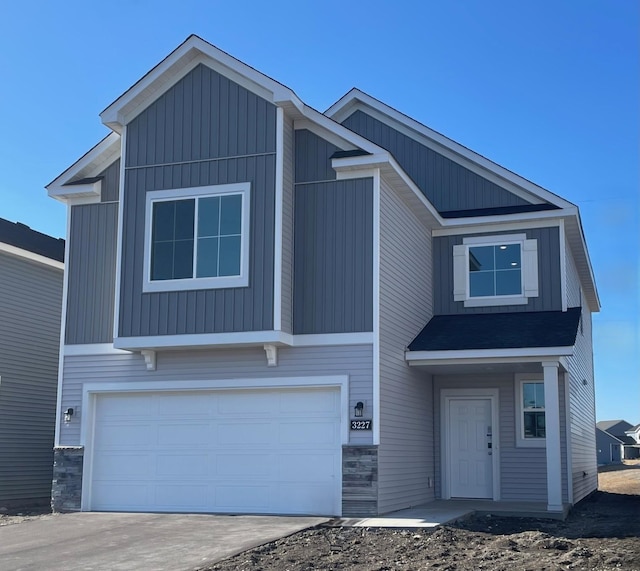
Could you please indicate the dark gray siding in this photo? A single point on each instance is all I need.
(312, 160)
(92, 272)
(444, 182)
(111, 183)
(333, 257)
(30, 308)
(549, 280)
(205, 130)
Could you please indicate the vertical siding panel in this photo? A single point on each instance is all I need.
(440, 182)
(287, 228)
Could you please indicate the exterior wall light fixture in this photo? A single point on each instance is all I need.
(358, 410)
(67, 415)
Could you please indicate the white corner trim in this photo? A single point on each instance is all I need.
(32, 256)
(272, 354)
(119, 247)
(279, 206)
(149, 359)
(376, 308)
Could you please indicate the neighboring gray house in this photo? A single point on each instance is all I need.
(609, 448)
(274, 310)
(31, 274)
(625, 433)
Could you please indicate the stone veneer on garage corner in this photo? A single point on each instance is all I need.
(359, 481)
(66, 489)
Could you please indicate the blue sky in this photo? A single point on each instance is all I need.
(547, 89)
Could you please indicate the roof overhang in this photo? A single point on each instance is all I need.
(79, 180)
(192, 52)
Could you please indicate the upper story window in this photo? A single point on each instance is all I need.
(495, 270)
(197, 238)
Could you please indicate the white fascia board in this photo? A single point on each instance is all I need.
(487, 224)
(31, 256)
(193, 51)
(578, 244)
(356, 99)
(360, 162)
(486, 355)
(331, 136)
(90, 164)
(92, 349)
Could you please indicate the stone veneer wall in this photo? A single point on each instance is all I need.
(359, 481)
(66, 490)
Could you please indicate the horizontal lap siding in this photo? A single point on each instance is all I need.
(549, 276)
(448, 185)
(405, 454)
(206, 130)
(92, 268)
(582, 399)
(354, 361)
(30, 310)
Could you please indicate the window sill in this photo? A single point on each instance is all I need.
(195, 284)
(495, 301)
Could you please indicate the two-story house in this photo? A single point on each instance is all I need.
(274, 310)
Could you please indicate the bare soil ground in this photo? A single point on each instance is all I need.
(601, 533)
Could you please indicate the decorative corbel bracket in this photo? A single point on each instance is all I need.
(149, 359)
(272, 355)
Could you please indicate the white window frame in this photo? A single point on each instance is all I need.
(521, 441)
(528, 274)
(244, 189)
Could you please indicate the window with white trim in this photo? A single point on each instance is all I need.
(197, 238)
(495, 270)
(530, 410)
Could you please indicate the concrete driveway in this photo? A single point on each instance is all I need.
(154, 542)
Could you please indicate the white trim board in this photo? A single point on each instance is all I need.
(31, 256)
(278, 225)
(485, 355)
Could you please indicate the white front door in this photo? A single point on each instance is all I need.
(470, 454)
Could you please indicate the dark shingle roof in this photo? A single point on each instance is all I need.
(498, 210)
(347, 154)
(499, 331)
(21, 236)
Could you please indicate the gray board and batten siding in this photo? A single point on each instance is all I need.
(30, 310)
(91, 265)
(333, 244)
(205, 130)
(549, 275)
(448, 185)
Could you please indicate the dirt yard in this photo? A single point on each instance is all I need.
(602, 533)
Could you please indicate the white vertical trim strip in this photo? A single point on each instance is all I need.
(376, 307)
(277, 242)
(116, 308)
(563, 266)
(63, 328)
(552, 422)
(567, 434)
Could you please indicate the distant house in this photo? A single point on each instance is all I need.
(276, 310)
(31, 277)
(617, 440)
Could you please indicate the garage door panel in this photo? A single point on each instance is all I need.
(187, 466)
(186, 434)
(238, 451)
(246, 433)
(251, 465)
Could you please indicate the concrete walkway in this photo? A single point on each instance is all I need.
(125, 541)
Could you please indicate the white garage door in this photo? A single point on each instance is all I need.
(245, 451)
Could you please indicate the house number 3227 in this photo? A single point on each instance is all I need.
(360, 425)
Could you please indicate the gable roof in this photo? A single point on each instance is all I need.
(615, 427)
(21, 237)
(513, 330)
(611, 436)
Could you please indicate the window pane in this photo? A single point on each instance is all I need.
(508, 282)
(481, 284)
(231, 215)
(185, 212)
(481, 258)
(529, 395)
(230, 256)
(183, 259)
(209, 216)
(162, 261)
(534, 425)
(540, 395)
(507, 256)
(207, 265)
(163, 221)
(540, 425)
